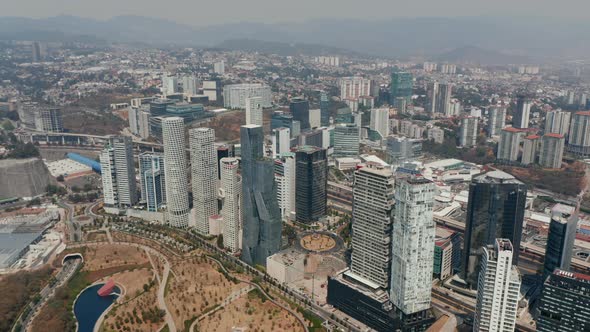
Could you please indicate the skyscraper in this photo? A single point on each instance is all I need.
(402, 84)
(152, 180)
(495, 210)
(254, 111)
(521, 116)
(498, 289)
(468, 131)
(529, 149)
(190, 85)
(579, 136)
(439, 98)
(496, 120)
(324, 109)
(169, 85)
(346, 140)
(281, 141)
(565, 303)
(204, 176)
(354, 87)
(118, 175)
(561, 237)
(285, 179)
(175, 171)
(552, 147)
(231, 193)
(412, 244)
(380, 121)
(311, 183)
(558, 122)
(509, 144)
(300, 110)
(261, 214)
(372, 222)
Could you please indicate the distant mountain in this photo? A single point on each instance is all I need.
(398, 37)
(478, 55)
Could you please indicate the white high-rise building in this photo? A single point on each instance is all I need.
(372, 216)
(285, 180)
(529, 149)
(175, 171)
(281, 141)
(497, 289)
(468, 131)
(558, 122)
(412, 244)
(521, 116)
(254, 111)
(190, 85)
(118, 177)
(315, 118)
(204, 176)
(230, 191)
(139, 121)
(496, 120)
(579, 136)
(219, 67)
(439, 98)
(354, 87)
(169, 85)
(509, 145)
(552, 150)
(380, 121)
(234, 95)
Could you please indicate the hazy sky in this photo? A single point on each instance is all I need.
(205, 12)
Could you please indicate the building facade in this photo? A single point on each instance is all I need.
(346, 140)
(204, 177)
(311, 180)
(560, 240)
(522, 114)
(118, 177)
(254, 111)
(285, 179)
(152, 180)
(558, 122)
(552, 147)
(402, 84)
(509, 144)
(354, 87)
(579, 135)
(230, 191)
(468, 131)
(175, 170)
(234, 95)
(496, 120)
(299, 108)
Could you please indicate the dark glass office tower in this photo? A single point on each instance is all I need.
(261, 214)
(324, 110)
(560, 241)
(565, 303)
(495, 210)
(300, 110)
(311, 180)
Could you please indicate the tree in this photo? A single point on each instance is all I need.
(220, 241)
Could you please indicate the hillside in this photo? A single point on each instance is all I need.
(23, 177)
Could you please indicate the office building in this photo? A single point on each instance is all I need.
(496, 120)
(311, 180)
(230, 190)
(254, 111)
(436, 134)
(118, 173)
(204, 176)
(447, 253)
(565, 303)
(219, 67)
(315, 120)
(561, 237)
(372, 222)
(49, 119)
(509, 145)
(190, 85)
(412, 244)
(324, 109)
(498, 289)
(558, 122)
(346, 140)
(311, 137)
(579, 135)
(152, 180)
(552, 146)
(530, 148)
(281, 141)
(354, 87)
(299, 108)
(468, 132)
(261, 215)
(521, 116)
(402, 84)
(403, 149)
(169, 85)
(175, 170)
(280, 119)
(380, 121)
(285, 179)
(235, 95)
(495, 209)
(212, 90)
(439, 98)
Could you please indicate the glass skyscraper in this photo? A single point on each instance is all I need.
(324, 109)
(495, 210)
(261, 214)
(560, 241)
(152, 180)
(311, 181)
(300, 110)
(401, 86)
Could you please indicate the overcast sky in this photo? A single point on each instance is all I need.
(206, 12)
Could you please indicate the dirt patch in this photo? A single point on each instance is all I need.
(113, 255)
(97, 236)
(140, 313)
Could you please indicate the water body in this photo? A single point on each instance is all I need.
(89, 307)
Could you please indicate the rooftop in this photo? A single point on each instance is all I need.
(554, 135)
(496, 177)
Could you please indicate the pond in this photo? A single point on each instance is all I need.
(89, 307)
